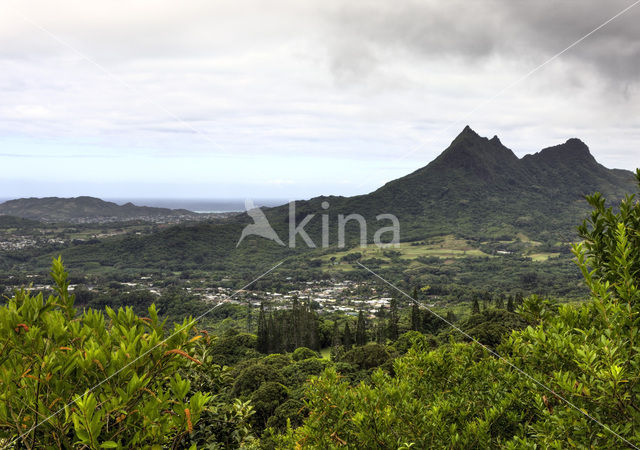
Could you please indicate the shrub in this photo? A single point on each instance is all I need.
(71, 380)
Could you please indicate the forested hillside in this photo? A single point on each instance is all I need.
(85, 209)
(477, 189)
(525, 373)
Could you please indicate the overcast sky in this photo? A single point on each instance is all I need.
(291, 99)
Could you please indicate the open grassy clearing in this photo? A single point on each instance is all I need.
(444, 247)
(542, 256)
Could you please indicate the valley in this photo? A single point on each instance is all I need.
(485, 254)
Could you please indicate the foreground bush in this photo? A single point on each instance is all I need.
(69, 380)
(585, 361)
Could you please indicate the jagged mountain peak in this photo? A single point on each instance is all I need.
(467, 130)
(468, 135)
(469, 149)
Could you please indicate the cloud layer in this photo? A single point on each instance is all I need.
(225, 91)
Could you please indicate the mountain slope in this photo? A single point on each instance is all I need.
(83, 209)
(477, 189)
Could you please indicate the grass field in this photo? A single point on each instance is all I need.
(542, 256)
(444, 247)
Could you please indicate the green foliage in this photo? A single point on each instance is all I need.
(584, 359)
(299, 372)
(411, 338)
(253, 376)
(99, 382)
(611, 244)
(589, 354)
(303, 353)
(266, 399)
(286, 330)
(488, 327)
(535, 309)
(455, 397)
(231, 349)
(368, 356)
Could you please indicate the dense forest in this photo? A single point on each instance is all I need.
(518, 372)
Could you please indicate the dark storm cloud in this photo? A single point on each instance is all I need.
(531, 30)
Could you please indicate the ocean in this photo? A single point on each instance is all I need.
(214, 205)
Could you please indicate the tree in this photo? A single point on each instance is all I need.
(265, 400)
(263, 333)
(249, 316)
(475, 309)
(510, 304)
(393, 319)
(581, 362)
(451, 317)
(593, 347)
(415, 312)
(347, 340)
(519, 298)
(361, 332)
(110, 384)
(381, 326)
(274, 334)
(336, 338)
(500, 301)
(416, 407)
(303, 353)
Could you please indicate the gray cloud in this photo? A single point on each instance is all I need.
(479, 30)
(276, 88)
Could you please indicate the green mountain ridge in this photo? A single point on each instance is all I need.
(479, 188)
(55, 209)
(476, 189)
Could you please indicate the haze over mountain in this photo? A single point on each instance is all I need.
(477, 189)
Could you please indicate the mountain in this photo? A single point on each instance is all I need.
(86, 210)
(479, 187)
(11, 222)
(477, 190)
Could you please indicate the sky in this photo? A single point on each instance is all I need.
(291, 99)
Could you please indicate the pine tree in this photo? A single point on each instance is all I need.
(415, 318)
(297, 329)
(263, 333)
(451, 317)
(249, 316)
(275, 338)
(314, 335)
(475, 309)
(393, 319)
(336, 339)
(286, 331)
(347, 339)
(510, 306)
(500, 301)
(361, 333)
(381, 327)
(519, 299)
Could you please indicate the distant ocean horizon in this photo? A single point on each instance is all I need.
(214, 205)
